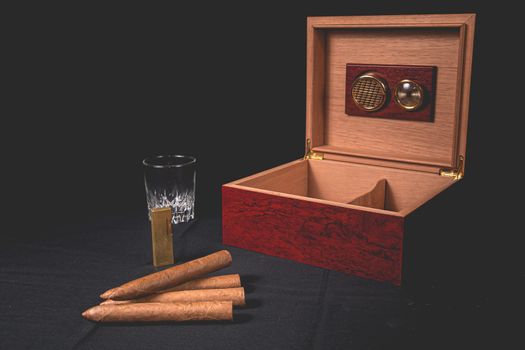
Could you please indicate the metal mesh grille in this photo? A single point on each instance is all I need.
(368, 93)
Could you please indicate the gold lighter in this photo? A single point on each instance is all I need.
(161, 236)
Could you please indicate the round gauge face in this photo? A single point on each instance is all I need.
(369, 92)
(408, 95)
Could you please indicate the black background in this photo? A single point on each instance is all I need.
(93, 89)
(96, 88)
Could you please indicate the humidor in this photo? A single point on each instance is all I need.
(348, 204)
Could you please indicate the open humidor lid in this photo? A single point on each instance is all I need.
(442, 42)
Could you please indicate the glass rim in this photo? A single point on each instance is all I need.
(148, 161)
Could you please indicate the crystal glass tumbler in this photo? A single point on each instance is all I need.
(170, 182)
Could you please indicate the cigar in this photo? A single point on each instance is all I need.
(170, 277)
(214, 282)
(156, 312)
(235, 295)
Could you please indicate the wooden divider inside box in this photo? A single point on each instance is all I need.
(375, 198)
(370, 186)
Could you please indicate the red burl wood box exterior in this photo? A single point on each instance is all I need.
(349, 204)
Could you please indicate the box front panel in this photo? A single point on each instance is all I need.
(356, 242)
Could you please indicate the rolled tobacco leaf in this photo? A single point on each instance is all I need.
(235, 295)
(156, 312)
(170, 277)
(213, 282)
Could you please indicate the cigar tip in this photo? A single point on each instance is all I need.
(227, 253)
(243, 296)
(87, 314)
(107, 294)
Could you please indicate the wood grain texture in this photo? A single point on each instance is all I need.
(315, 84)
(425, 76)
(340, 154)
(268, 171)
(466, 57)
(356, 242)
(390, 21)
(291, 179)
(427, 143)
(444, 41)
(341, 181)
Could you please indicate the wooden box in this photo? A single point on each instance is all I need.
(348, 203)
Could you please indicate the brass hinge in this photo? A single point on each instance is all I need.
(310, 154)
(457, 173)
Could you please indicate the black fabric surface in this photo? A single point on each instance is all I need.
(47, 282)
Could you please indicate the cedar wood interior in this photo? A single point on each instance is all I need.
(379, 165)
(343, 183)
